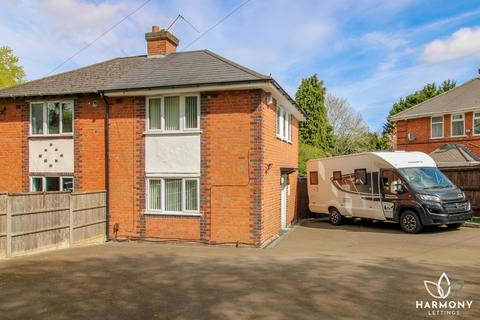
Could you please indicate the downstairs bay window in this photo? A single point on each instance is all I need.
(173, 196)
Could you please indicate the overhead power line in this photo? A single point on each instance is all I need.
(216, 24)
(100, 36)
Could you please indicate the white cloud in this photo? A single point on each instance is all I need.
(463, 43)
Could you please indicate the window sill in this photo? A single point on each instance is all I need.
(51, 136)
(436, 138)
(460, 136)
(171, 133)
(283, 139)
(162, 213)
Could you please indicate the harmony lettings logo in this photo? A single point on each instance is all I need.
(445, 292)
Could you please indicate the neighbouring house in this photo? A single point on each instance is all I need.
(452, 117)
(189, 145)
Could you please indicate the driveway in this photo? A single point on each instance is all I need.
(315, 271)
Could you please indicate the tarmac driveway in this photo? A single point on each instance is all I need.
(315, 271)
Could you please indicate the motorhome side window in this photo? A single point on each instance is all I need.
(314, 178)
(360, 176)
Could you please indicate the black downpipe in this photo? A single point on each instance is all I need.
(107, 164)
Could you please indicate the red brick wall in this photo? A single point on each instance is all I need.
(280, 154)
(230, 166)
(125, 128)
(89, 143)
(14, 145)
(420, 127)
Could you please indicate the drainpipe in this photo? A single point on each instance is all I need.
(107, 164)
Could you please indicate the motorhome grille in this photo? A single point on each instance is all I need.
(456, 207)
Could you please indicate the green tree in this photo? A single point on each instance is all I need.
(307, 152)
(316, 131)
(429, 91)
(11, 72)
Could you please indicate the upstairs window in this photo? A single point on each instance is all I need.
(436, 130)
(283, 125)
(476, 123)
(173, 113)
(51, 118)
(458, 125)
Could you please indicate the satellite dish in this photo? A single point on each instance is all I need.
(410, 136)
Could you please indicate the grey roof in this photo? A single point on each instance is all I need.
(462, 98)
(83, 80)
(176, 69)
(454, 155)
(184, 69)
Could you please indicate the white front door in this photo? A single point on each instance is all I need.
(283, 201)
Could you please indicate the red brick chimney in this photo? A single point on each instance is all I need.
(160, 42)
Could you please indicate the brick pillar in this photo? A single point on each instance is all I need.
(256, 166)
(139, 112)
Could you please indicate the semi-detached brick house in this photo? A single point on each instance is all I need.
(194, 147)
(452, 117)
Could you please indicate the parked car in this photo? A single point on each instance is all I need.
(406, 187)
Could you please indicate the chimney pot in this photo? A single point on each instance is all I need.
(155, 28)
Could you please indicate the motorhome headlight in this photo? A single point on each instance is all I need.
(428, 197)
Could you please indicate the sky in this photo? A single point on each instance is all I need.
(369, 52)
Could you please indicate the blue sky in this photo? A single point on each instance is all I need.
(368, 51)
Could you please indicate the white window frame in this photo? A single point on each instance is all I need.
(44, 182)
(475, 116)
(162, 211)
(45, 119)
(432, 123)
(283, 128)
(452, 121)
(182, 122)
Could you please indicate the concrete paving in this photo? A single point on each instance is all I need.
(316, 271)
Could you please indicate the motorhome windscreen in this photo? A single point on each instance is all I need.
(425, 178)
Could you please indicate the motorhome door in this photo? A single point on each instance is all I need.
(389, 190)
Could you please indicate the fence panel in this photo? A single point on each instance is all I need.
(32, 222)
(3, 225)
(89, 210)
(467, 179)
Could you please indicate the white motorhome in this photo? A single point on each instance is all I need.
(406, 187)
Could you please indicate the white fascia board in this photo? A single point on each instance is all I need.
(265, 86)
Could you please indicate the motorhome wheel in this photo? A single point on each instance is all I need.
(335, 217)
(410, 222)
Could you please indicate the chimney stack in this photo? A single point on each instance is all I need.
(160, 42)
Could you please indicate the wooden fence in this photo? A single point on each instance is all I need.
(32, 222)
(467, 179)
(302, 199)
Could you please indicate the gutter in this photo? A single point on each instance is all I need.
(107, 164)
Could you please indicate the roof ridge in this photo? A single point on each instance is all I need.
(238, 66)
(69, 71)
(435, 97)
